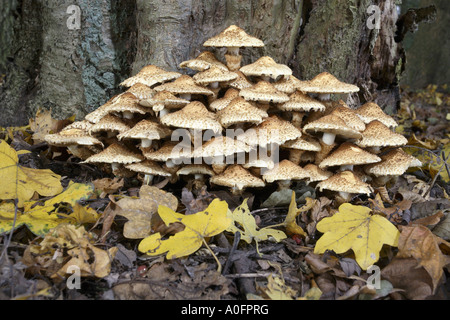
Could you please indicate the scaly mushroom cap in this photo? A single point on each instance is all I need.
(203, 61)
(193, 116)
(233, 36)
(214, 74)
(393, 163)
(196, 169)
(240, 111)
(377, 134)
(350, 118)
(148, 167)
(299, 101)
(221, 103)
(164, 99)
(263, 91)
(287, 85)
(115, 153)
(170, 150)
(316, 174)
(82, 124)
(146, 129)
(220, 146)
(345, 181)
(266, 66)
(109, 123)
(69, 137)
(100, 112)
(184, 85)
(264, 162)
(305, 142)
(237, 178)
(371, 111)
(126, 102)
(331, 124)
(141, 91)
(150, 75)
(241, 82)
(348, 154)
(271, 130)
(285, 170)
(326, 83)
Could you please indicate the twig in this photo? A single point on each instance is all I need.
(8, 241)
(237, 238)
(438, 173)
(259, 275)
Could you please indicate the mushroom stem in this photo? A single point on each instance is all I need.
(186, 96)
(198, 176)
(295, 155)
(348, 167)
(145, 143)
(170, 163)
(163, 112)
(214, 85)
(115, 166)
(110, 134)
(234, 51)
(127, 115)
(148, 178)
(284, 184)
(328, 138)
(345, 195)
(265, 78)
(324, 96)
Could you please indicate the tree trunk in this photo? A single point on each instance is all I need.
(52, 64)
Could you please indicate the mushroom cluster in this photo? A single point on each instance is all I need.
(240, 127)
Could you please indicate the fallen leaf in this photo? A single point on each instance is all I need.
(353, 227)
(108, 186)
(290, 222)
(442, 229)
(277, 289)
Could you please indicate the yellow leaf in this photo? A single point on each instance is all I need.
(20, 182)
(353, 227)
(290, 222)
(278, 290)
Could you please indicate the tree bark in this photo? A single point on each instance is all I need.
(75, 71)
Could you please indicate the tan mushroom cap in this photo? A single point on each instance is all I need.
(221, 146)
(393, 163)
(212, 75)
(221, 103)
(71, 137)
(299, 101)
(371, 111)
(164, 99)
(168, 151)
(184, 85)
(345, 181)
(141, 91)
(266, 66)
(305, 142)
(331, 124)
(287, 85)
(326, 83)
(115, 153)
(100, 112)
(285, 170)
(109, 123)
(203, 61)
(241, 82)
(237, 178)
(350, 118)
(377, 134)
(82, 124)
(240, 111)
(348, 154)
(233, 36)
(316, 174)
(193, 116)
(263, 162)
(196, 169)
(125, 103)
(271, 130)
(146, 129)
(150, 75)
(148, 167)
(263, 91)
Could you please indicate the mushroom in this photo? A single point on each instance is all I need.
(266, 68)
(110, 124)
(150, 75)
(299, 101)
(345, 183)
(347, 155)
(299, 146)
(237, 178)
(284, 172)
(214, 150)
(185, 87)
(198, 170)
(316, 174)
(221, 103)
(377, 135)
(115, 154)
(163, 101)
(371, 111)
(82, 124)
(171, 152)
(349, 116)
(127, 105)
(263, 92)
(100, 112)
(241, 82)
(146, 131)
(141, 91)
(203, 61)
(238, 112)
(324, 84)
(258, 165)
(287, 85)
(212, 76)
(233, 38)
(149, 168)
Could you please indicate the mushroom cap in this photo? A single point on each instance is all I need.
(287, 85)
(305, 142)
(126, 102)
(235, 176)
(393, 163)
(166, 99)
(345, 181)
(299, 101)
(141, 91)
(316, 174)
(193, 116)
(115, 153)
(263, 91)
(168, 151)
(70, 137)
(203, 61)
(240, 111)
(241, 81)
(184, 85)
(146, 129)
(271, 130)
(233, 36)
(371, 111)
(377, 134)
(285, 170)
(109, 123)
(349, 116)
(348, 154)
(196, 169)
(220, 146)
(331, 124)
(101, 111)
(221, 103)
(266, 66)
(82, 124)
(148, 167)
(214, 74)
(150, 75)
(264, 162)
(326, 83)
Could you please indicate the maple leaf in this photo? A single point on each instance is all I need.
(291, 225)
(353, 227)
(210, 222)
(21, 182)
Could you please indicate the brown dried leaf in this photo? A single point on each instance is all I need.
(108, 185)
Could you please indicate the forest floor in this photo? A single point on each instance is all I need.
(284, 268)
